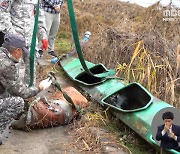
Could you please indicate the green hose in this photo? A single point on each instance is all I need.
(33, 44)
(78, 47)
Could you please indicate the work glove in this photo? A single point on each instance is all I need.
(44, 44)
(44, 84)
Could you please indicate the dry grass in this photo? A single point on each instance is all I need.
(86, 134)
(117, 27)
(143, 68)
(84, 139)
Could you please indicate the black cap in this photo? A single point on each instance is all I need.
(15, 40)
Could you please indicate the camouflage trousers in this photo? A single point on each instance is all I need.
(10, 107)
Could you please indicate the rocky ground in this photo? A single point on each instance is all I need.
(46, 141)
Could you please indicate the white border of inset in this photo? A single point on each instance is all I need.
(158, 121)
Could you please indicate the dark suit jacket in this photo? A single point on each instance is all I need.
(166, 141)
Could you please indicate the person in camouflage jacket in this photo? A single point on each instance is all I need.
(17, 17)
(13, 90)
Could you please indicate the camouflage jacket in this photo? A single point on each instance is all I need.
(9, 78)
(17, 16)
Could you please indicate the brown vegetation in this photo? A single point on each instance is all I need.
(117, 28)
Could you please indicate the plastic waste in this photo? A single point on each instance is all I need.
(83, 41)
(54, 60)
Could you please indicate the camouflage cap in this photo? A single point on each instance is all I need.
(15, 40)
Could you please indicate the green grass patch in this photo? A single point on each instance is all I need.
(62, 45)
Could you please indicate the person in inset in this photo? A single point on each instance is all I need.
(168, 133)
(52, 9)
(13, 90)
(18, 17)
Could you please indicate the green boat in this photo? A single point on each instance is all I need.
(137, 106)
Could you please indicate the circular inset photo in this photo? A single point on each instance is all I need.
(166, 128)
